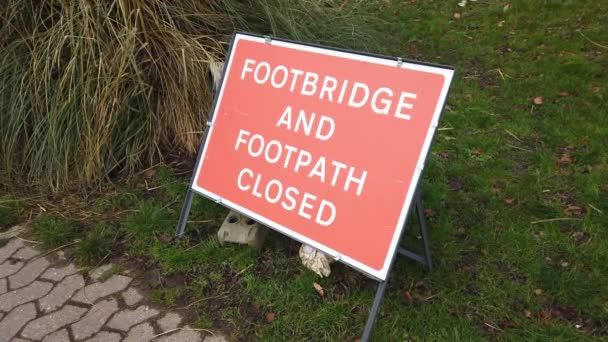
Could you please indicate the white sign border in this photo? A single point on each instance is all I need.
(374, 273)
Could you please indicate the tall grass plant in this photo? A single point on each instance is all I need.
(94, 90)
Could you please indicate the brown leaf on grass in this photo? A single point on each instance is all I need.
(477, 153)
(538, 100)
(417, 299)
(509, 200)
(506, 7)
(573, 210)
(270, 316)
(538, 292)
(565, 158)
(408, 296)
(507, 324)
(457, 15)
(604, 188)
(564, 93)
(319, 289)
(428, 212)
(496, 190)
(165, 237)
(579, 237)
(527, 313)
(545, 316)
(460, 232)
(444, 154)
(149, 173)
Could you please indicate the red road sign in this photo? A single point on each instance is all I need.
(325, 146)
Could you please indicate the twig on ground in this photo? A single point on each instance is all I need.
(492, 326)
(58, 248)
(519, 148)
(243, 270)
(513, 135)
(185, 329)
(556, 219)
(592, 42)
(30, 241)
(594, 208)
(204, 299)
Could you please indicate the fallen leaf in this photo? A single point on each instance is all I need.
(545, 316)
(527, 313)
(538, 292)
(420, 285)
(573, 210)
(408, 296)
(270, 316)
(319, 289)
(509, 200)
(418, 299)
(538, 100)
(565, 264)
(444, 155)
(456, 15)
(507, 324)
(461, 232)
(564, 93)
(506, 7)
(165, 237)
(149, 173)
(579, 237)
(428, 212)
(477, 153)
(565, 158)
(501, 23)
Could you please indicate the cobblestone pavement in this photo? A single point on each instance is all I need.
(45, 298)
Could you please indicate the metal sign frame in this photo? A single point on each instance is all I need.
(415, 201)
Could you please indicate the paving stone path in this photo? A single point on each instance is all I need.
(44, 298)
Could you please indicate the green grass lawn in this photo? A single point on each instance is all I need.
(516, 184)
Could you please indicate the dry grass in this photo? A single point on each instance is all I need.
(92, 90)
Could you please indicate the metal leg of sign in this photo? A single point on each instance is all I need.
(183, 218)
(425, 260)
(369, 326)
(424, 233)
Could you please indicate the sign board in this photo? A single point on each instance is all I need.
(323, 145)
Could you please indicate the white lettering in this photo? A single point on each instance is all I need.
(402, 104)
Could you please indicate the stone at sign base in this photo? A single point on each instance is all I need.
(315, 260)
(240, 229)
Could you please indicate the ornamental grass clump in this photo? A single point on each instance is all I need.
(92, 90)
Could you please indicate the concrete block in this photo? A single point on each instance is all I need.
(240, 229)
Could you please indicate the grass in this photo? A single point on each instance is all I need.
(96, 244)
(53, 231)
(518, 191)
(10, 210)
